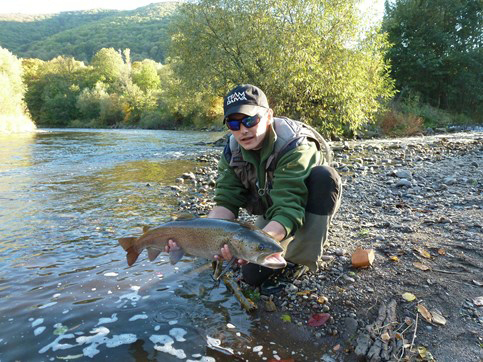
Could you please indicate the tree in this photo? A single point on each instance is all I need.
(111, 68)
(312, 57)
(437, 51)
(145, 74)
(13, 113)
(12, 89)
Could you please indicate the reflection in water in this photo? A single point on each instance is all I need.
(66, 196)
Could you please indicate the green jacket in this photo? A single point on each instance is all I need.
(288, 192)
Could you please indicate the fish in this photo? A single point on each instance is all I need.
(204, 237)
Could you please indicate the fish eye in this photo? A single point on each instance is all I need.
(260, 248)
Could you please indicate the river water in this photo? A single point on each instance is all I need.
(66, 292)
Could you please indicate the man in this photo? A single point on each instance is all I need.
(275, 168)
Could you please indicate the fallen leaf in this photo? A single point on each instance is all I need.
(408, 321)
(363, 258)
(399, 336)
(422, 351)
(441, 251)
(438, 317)
(421, 266)
(385, 337)
(304, 292)
(424, 253)
(270, 306)
(478, 301)
(394, 258)
(286, 318)
(424, 312)
(318, 320)
(336, 347)
(322, 299)
(408, 297)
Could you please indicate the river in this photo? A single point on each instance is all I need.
(66, 292)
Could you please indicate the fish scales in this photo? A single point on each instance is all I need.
(204, 237)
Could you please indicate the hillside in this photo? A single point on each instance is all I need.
(82, 33)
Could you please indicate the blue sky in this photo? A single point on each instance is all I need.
(55, 6)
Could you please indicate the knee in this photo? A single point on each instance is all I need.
(323, 177)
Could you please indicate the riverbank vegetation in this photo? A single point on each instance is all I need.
(325, 65)
(13, 112)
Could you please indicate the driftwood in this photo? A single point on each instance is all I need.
(380, 342)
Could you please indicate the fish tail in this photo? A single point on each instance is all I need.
(128, 245)
(131, 256)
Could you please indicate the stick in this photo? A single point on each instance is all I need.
(414, 334)
(445, 271)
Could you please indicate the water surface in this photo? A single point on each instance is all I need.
(66, 292)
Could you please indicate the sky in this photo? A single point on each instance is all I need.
(55, 6)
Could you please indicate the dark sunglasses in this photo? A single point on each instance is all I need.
(248, 122)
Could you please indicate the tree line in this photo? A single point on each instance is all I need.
(318, 61)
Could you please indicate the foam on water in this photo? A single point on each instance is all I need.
(178, 334)
(164, 343)
(39, 330)
(138, 316)
(107, 320)
(111, 274)
(47, 305)
(36, 322)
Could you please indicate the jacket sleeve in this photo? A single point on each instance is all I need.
(289, 192)
(229, 191)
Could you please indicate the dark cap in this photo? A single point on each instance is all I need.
(246, 99)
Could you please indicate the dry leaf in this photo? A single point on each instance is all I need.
(318, 319)
(270, 306)
(424, 312)
(441, 251)
(478, 301)
(336, 347)
(399, 336)
(422, 351)
(424, 253)
(322, 299)
(304, 292)
(438, 317)
(385, 337)
(408, 297)
(421, 266)
(394, 258)
(363, 258)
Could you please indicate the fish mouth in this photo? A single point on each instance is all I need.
(274, 261)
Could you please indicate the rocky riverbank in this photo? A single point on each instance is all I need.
(417, 203)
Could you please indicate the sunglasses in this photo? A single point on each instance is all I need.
(248, 122)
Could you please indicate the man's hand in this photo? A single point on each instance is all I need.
(171, 246)
(225, 254)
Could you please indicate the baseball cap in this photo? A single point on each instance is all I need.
(246, 99)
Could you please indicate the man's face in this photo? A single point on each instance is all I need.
(252, 138)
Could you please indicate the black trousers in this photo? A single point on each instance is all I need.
(324, 192)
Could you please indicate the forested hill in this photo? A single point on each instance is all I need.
(82, 33)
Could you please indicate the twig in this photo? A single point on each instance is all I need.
(414, 334)
(445, 271)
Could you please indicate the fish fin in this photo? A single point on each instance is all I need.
(175, 255)
(184, 216)
(227, 268)
(153, 253)
(146, 228)
(126, 243)
(131, 256)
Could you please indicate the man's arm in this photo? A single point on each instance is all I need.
(221, 212)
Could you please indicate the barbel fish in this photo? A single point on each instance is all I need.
(204, 237)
